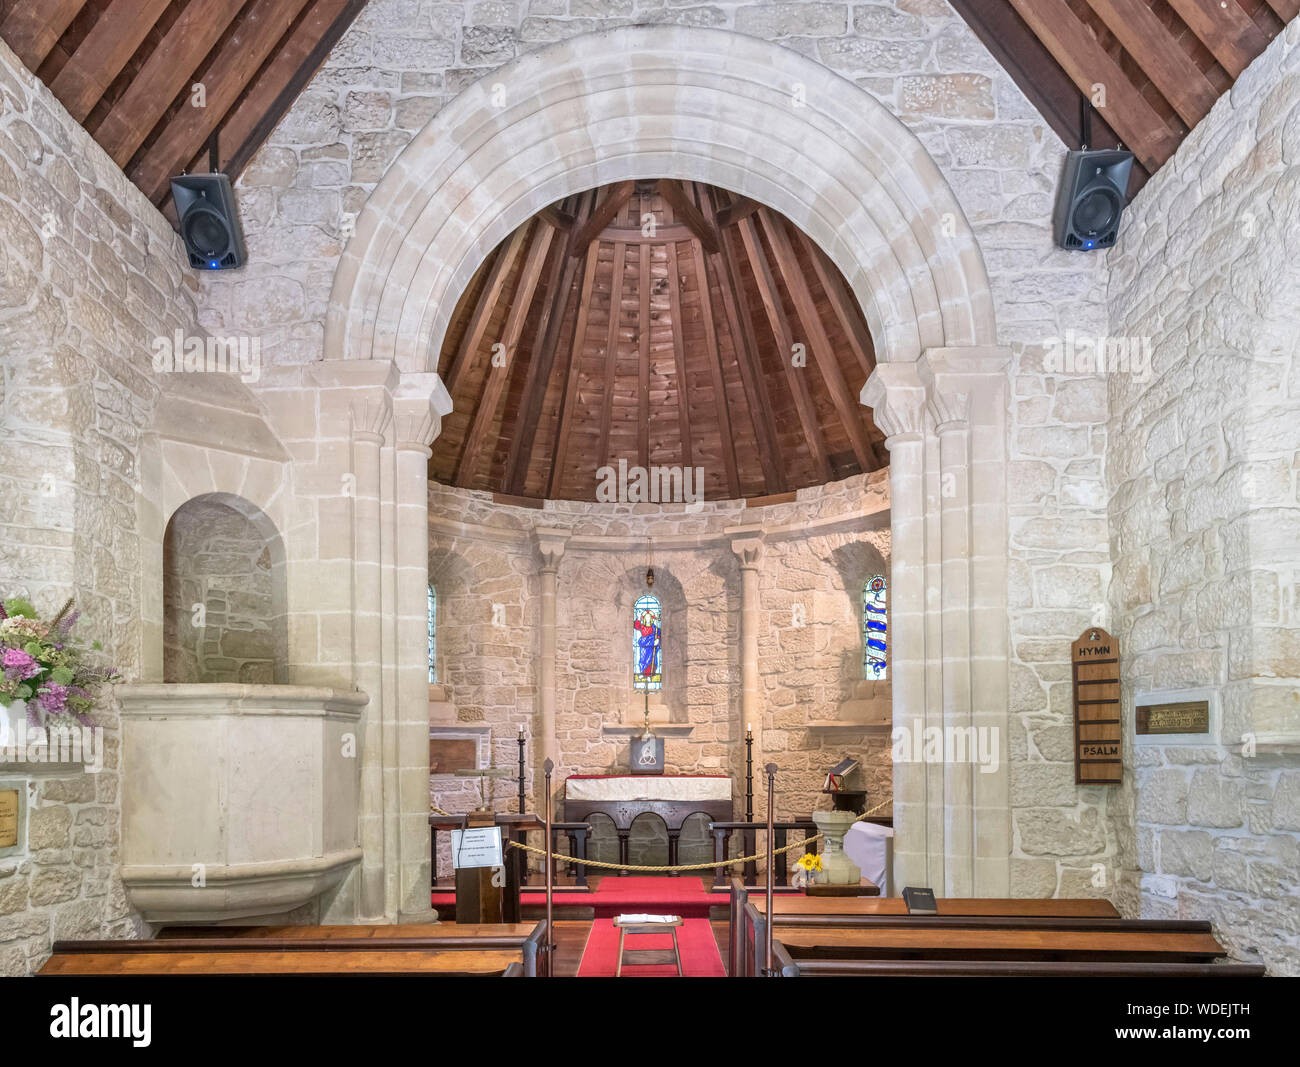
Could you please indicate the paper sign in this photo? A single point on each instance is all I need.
(8, 818)
(479, 846)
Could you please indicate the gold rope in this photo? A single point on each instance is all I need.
(686, 866)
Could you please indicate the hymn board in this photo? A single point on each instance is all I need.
(1098, 757)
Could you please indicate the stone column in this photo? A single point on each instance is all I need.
(361, 392)
(749, 550)
(550, 546)
(967, 393)
(897, 399)
(418, 405)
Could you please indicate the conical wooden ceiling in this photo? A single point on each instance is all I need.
(735, 346)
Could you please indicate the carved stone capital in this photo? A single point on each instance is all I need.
(897, 398)
(550, 545)
(749, 550)
(957, 379)
(419, 403)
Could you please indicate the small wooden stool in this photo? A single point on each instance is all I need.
(648, 956)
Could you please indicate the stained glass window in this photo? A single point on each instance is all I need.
(647, 644)
(433, 635)
(875, 627)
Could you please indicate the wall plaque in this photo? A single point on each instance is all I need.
(1185, 717)
(1098, 755)
(9, 818)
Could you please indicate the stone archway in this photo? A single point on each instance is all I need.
(766, 122)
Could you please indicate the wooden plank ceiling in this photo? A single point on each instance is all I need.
(126, 70)
(1163, 63)
(668, 345)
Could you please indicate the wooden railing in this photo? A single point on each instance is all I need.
(749, 837)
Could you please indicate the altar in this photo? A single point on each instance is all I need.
(623, 797)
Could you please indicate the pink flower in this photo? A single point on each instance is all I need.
(19, 664)
(53, 697)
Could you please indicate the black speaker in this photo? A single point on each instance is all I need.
(1091, 199)
(205, 206)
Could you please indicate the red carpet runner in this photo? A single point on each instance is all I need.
(686, 897)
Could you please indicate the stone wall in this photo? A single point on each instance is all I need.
(90, 274)
(216, 560)
(484, 568)
(401, 61)
(1205, 526)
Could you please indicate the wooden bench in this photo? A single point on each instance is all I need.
(842, 936)
(444, 949)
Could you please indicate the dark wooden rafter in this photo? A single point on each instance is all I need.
(102, 55)
(1141, 33)
(741, 329)
(689, 214)
(1231, 35)
(33, 27)
(679, 359)
(850, 320)
(1072, 43)
(164, 74)
(235, 63)
(561, 293)
(569, 398)
(495, 376)
(784, 338)
(741, 207)
(601, 216)
(502, 264)
(643, 359)
(721, 404)
(611, 351)
(850, 412)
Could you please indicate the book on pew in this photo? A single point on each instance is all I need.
(920, 901)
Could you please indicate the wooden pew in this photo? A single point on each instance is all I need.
(789, 966)
(876, 936)
(414, 949)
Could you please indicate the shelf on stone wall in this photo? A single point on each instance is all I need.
(661, 728)
(843, 724)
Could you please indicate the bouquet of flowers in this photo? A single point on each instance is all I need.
(41, 666)
(807, 867)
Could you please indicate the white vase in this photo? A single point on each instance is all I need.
(13, 717)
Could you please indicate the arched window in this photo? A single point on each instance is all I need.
(875, 627)
(647, 644)
(433, 634)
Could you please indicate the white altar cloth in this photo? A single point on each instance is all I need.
(647, 787)
(868, 844)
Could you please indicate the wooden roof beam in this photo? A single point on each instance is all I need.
(785, 346)
(1231, 35)
(643, 360)
(478, 323)
(560, 291)
(741, 328)
(569, 398)
(727, 440)
(495, 377)
(254, 39)
(165, 73)
(679, 358)
(686, 211)
(611, 351)
(33, 27)
(1147, 39)
(1088, 64)
(104, 52)
(846, 405)
(601, 217)
(740, 208)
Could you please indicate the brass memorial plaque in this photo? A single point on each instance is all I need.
(1187, 717)
(8, 818)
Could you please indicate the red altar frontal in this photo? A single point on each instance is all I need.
(672, 797)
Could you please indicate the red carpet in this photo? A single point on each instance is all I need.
(695, 942)
(685, 896)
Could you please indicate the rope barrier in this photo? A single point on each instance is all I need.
(684, 866)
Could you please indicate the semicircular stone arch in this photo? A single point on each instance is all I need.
(701, 105)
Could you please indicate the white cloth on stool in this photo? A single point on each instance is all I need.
(867, 845)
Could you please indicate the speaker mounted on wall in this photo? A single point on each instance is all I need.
(1092, 197)
(209, 223)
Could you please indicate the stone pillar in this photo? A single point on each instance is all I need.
(897, 399)
(418, 405)
(749, 550)
(974, 380)
(550, 546)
